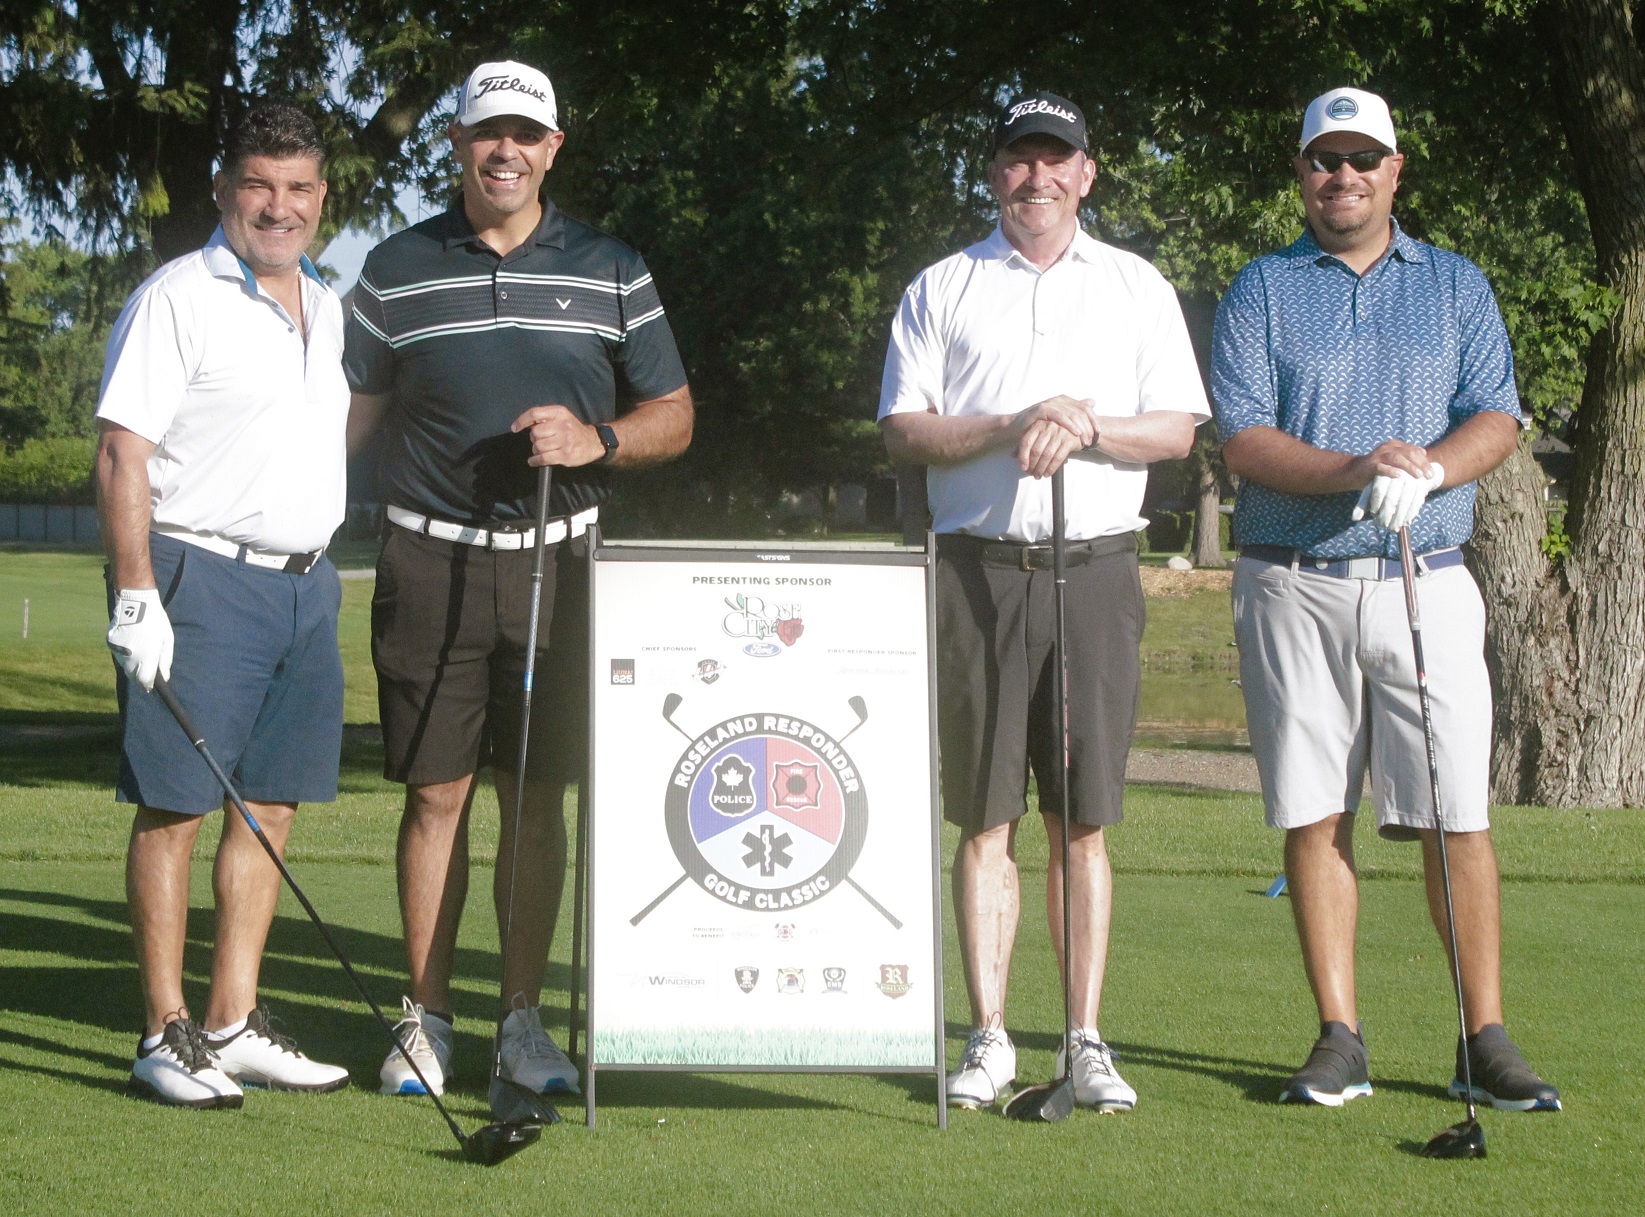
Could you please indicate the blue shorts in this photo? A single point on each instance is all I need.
(257, 669)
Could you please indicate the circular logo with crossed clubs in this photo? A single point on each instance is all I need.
(766, 812)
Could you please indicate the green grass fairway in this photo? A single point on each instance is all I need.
(1205, 1003)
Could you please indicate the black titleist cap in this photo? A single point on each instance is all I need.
(1040, 114)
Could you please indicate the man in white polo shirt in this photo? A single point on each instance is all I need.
(220, 477)
(1035, 349)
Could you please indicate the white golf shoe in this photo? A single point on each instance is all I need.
(258, 1055)
(428, 1039)
(530, 1057)
(988, 1067)
(1096, 1082)
(181, 1071)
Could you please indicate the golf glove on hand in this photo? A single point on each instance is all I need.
(1395, 499)
(140, 635)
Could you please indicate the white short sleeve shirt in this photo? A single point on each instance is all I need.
(987, 332)
(248, 420)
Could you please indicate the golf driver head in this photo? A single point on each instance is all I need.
(513, 1104)
(1048, 1103)
(1464, 1140)
(498, 1142)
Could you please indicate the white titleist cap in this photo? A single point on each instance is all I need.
(507, 88)
(1348, 110)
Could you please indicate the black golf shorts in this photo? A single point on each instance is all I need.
(448, 639)
(995, 629)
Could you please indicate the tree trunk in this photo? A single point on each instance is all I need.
(1203, 463)
(1567, 647)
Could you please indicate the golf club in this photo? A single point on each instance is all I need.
(486, 1146)
(1467, 1139)
(1053, 1101)
(519, 1102)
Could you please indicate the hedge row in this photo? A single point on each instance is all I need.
(52, 471)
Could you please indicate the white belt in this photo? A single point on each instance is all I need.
(558, 529)
(295, 564)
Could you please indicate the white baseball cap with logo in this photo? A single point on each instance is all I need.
(507, 88)
(1348, 110)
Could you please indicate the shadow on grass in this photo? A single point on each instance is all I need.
(50, 749)
(705, 1091)
(97, 987)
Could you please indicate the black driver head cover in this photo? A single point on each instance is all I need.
(498, 1142)
(1464, 1140)
(1047, 1103)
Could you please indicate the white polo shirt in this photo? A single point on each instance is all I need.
(986, 332)
(247, 420)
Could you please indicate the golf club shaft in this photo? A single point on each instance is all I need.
(545, 481)
(1413, 612)
(176, 707)
(1059, 521)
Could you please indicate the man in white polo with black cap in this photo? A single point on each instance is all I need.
(1037, 349)
(220, 479)
(1363, 383)
(486, 341)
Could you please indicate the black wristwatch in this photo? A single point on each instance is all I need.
(608, 437)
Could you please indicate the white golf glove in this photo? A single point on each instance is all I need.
(140, 635)
(1395, 499)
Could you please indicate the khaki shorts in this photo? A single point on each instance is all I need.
(1330, 688)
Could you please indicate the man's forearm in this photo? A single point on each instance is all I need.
(935, 439)
(1475, 448)
(364, 410)
(655, 430)
(1141, 439)
(122, 478)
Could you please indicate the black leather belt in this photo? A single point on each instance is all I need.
(1037, 556)
(1351, 568)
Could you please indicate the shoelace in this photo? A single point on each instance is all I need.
(537, 1042)
(409, 1030)
(976, 1048)
(188, 1044)
(1097, 1054)
(261, 1022)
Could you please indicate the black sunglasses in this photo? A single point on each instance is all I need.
(1362, 162)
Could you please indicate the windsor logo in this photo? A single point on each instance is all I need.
(1343, 108)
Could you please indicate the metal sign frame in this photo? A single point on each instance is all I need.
(754, 554)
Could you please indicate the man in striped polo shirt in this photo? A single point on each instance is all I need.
(498, 336)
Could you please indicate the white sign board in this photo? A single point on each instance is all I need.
(762, 873)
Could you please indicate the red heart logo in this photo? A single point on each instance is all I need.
(789, 630)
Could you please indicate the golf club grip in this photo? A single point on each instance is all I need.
(163, 688)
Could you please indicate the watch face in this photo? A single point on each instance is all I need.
(608, 437)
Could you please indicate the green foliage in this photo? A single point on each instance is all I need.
(48, 471)
(56, 307)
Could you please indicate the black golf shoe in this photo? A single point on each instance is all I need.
(1500, 1075)
(1337, 1070)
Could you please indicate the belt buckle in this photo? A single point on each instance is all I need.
(1363, 568)
(1035, 557)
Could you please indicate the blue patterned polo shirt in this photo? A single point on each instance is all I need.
(1409, 350)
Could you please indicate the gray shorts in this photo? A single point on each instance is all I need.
(1330, 689)
(995, 627)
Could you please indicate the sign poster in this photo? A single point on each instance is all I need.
(762, 884)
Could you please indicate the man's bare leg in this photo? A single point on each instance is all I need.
(1475, 894)
(1319, 873)
(157, 875)
(538, 886)
(1093, 900)
(987, 903)
(246, 885)
(432, 860)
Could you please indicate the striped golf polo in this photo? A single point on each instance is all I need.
(463, 340)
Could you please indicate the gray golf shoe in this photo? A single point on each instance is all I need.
(1338, 1069)
(1501, 1075)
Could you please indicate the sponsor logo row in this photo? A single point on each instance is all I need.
(894, 980)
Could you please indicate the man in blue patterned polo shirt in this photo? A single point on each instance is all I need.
(1363, 382)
